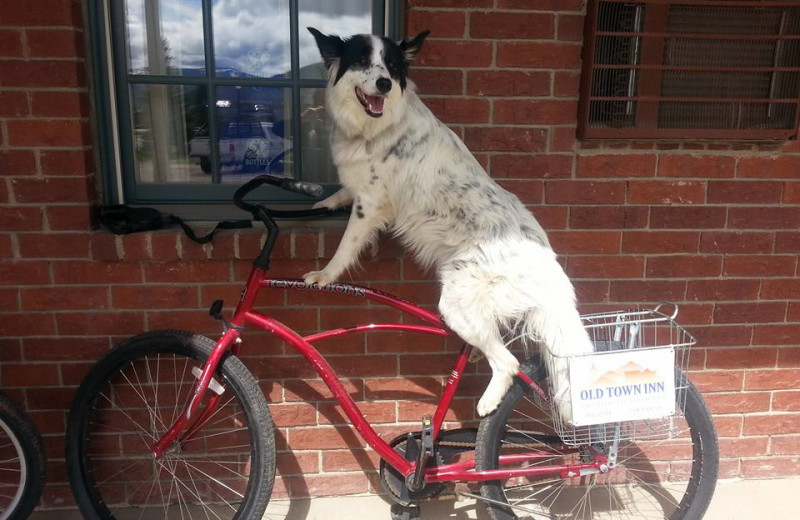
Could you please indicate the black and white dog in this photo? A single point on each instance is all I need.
(403, 170)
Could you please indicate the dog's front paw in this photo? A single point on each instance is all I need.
(327, 204)
(488, 404)
(318, 277)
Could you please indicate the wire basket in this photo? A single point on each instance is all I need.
(611, 333)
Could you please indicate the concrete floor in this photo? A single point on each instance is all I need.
(733, 500)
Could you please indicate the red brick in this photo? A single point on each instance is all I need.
(446, 53)
(507, 83)
(13, 104)
(64, 349)
(527, 166)
(751, 312)
(584, 192)
(562, 139)
(771, 424)
(460, 409)
(67, 162)
(787, 243)
(607, 217)
(42, 73)
(591, 292)
(687, 217)
(764, 218)
(69, 218)
(728, 426)
(16, 162)
(702, 166)
(71, 272)
(59, 104)
(5, 246)
(58, 132)
(62, 245)
(788, 379)
(426, 364)
(10, 43)
(154, 297)
(438, 81)
(50, 189)
(528, 192)
(374, 412)
(737, 447)
(693, 266)
(777, 334)
(760, 265)
(20, 218)
(294, 414)
(770, 467)
(442, 24)
(534, 112)
(791, 193)
(585, 242)
(177, 272)
(567, 84)
(538, 55)
(738, 402)
(459, 110)
(570, 27)
(324, 438)
(41, 13)
(661, 192)
(450, 3)
(100, 323)
(722, 290)
(740, 192)
(729, 336)
(785, 289)
(24, 273)
(605, 267)
(64, 298)
(741, 358)
(785, 444)
(505, 139)
(516, 26)
(27, 324)
(660, 242)
(734, 242)
(644, 291)
(30, 375)
(772, 167)
(717, 381)
(49, 43)
(9, 302)
(616, 166)
(541, 5)
(350, 460)
(787, 402)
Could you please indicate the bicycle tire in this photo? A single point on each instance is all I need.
(702, 477)
(82, 452)
(26, 444)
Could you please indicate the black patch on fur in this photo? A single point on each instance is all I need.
(359, 211)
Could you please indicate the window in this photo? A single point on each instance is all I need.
(208, 93)
(691, 69)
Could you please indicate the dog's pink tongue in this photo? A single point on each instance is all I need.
(375, 104)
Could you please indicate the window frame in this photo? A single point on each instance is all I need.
(112, 110)
(649, 96)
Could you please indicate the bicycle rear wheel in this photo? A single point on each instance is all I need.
(22, 462)
(668, 477)
(127, 402)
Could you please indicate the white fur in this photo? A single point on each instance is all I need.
(408, 173)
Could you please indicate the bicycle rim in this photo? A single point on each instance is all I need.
(211, 475)
(13, 471)
(657, 478)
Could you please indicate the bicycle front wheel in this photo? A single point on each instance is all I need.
(671, 476)
(127, 402)
(22, 462)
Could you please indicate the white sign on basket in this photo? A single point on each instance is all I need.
(620, 386)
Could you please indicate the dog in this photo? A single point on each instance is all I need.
(403, 170)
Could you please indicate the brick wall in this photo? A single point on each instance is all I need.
(711, 225)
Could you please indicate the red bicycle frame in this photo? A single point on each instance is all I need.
(189, 422)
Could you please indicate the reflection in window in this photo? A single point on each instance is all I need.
(165, 119)
(165, 37)
(343, 18)
(254, 131)
(314, 129)
(251, 38)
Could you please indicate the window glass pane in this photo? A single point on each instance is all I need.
(254, 131)
(165, 37)
(342, 17)
(317, 161)
(169, 122)
(251, 38)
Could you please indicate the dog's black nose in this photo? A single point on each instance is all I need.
(384, 85)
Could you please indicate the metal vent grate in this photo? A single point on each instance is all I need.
(691, 68)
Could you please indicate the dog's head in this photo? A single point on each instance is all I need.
(367, 74)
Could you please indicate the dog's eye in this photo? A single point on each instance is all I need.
(363, 61)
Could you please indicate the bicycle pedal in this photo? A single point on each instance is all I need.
(213, 384)
(427, 436)
(416, 480)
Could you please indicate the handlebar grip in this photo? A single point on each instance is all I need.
(309, 189)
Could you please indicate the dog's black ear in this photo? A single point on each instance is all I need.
(412, 47)
(330, 47)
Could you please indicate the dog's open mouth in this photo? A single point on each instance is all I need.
(373, 105)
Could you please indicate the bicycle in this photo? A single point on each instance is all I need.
(22, 462)
(170, 421)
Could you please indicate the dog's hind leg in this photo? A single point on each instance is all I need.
(468, 313)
